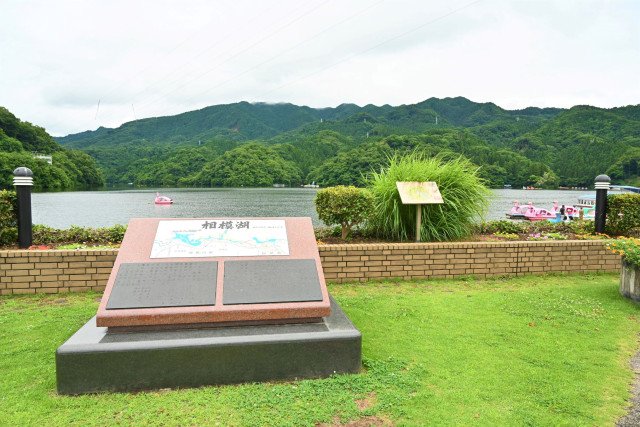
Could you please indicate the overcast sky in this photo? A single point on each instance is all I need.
(72, 66)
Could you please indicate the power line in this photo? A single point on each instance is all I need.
(413, 30)
(315, 36)
(256, 43)
(184, 64)
(151, 64)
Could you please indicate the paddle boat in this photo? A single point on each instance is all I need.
(569, 211)
(588, 213)
(538, 214)
(517, 211)
(162, 200)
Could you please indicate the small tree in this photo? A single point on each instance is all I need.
(342, 205)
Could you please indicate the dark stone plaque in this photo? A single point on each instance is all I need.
(164, 284)
(271, 281)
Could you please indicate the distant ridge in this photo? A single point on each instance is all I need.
(252, 121)
(259, 144)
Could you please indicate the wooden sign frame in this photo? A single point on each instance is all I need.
(419, 193)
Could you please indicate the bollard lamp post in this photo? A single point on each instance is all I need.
(23, 181)
(602, 183)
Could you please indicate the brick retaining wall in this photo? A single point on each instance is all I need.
(30, 272)
(343, 263)
(81, 270)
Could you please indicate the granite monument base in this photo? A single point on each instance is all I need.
(96, 360)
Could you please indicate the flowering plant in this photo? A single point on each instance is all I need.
(628, 248)
(496, 237)
(547, 236)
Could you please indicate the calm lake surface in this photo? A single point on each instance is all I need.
(109, 207)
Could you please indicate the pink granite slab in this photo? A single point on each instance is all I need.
(136, 248)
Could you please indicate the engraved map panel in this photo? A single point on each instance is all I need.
(220, 238)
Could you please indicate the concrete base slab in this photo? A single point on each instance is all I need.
(96, 360)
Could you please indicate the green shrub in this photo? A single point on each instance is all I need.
(463, 192)
(623, 213)
(532, 227)
(8, 217)
(582, 227)
(44, 235)
(499, 226)
(347, 206)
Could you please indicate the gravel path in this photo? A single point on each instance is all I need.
(632, 419)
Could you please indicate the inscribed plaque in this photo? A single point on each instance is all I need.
(164, 284)
(271, 281)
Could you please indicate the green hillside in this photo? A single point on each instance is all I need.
(20, 141)
(218, 145)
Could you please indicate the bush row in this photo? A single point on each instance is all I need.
(507, 226)
(623, 214)
(8, 217)
(45, 235)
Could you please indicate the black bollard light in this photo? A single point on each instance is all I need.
(23, 181)
(602, 186)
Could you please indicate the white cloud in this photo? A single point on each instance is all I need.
(59, 59)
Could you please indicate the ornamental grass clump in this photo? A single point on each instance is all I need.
(628, 248)
(464, 194)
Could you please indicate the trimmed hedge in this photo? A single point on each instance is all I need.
(8, 217)
(623, 214)
(44, 235)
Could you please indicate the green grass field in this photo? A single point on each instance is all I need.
(525, 351)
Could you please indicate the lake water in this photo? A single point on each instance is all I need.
(109, 207)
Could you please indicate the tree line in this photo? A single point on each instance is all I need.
(246, 144)
(20, 140)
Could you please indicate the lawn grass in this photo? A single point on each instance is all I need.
(536, 350)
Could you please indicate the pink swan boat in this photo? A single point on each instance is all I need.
(517, 211)
(162, 200)
(537, 214)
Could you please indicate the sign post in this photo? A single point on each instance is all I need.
(419, 193)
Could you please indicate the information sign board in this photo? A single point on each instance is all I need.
(419, 193)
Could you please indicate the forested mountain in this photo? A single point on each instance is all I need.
(263, 144)
(20, 141)
(238, 122)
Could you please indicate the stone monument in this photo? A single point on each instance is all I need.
(194, 302)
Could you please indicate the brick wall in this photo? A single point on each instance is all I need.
(81, 270)
(29, 272)
(343, 263)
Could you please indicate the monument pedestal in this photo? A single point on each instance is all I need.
(96, 360)
(211, 301)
